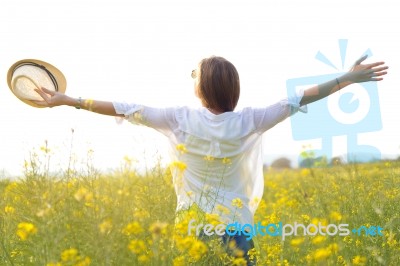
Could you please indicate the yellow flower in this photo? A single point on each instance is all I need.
(137, 246)
(273, 251)
(83, 194)
(69, 255)
(358, 260)
(209, 158)
(213, 218)
(297, 242)
(183, 243)
(143, 258)
(54, 264)
(391, 239)
(285, 263)
(336, 216)
(340, 260)
(305, 217)
(106, 226)
(24, 230)
(179, 261)
(239, 262)
(226, 161)
(45, 149)
(197, 250)
(72, 182)
(232, 244)
(348, 239)
(222, 209)
(237, 202)
(181, 148)
(318, 239)
(316, 221)
(181, 166)
(252, 254)
(333, 247)
(238, 253)
(321, 254)
(305, 172)
(271, 219)
(85, 262)
(255, 202)
(392, 242)
(309, 258)
(128, 160)
(9, 209)
(132, 228)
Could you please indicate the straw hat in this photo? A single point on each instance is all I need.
(26, 75)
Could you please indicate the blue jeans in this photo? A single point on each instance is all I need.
(240, 243)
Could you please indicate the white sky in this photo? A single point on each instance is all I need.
(144, 51)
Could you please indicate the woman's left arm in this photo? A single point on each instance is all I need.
(53, 98)
(358, 73)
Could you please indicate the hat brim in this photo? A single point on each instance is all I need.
(58, 75)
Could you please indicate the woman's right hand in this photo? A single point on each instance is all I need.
(51, 98)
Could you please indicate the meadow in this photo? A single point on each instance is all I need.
(85, 217)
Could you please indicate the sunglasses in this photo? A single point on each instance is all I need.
(194, 74)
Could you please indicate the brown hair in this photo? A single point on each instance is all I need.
(219, 85)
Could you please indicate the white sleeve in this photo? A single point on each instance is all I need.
(161, 119)
(266, 118)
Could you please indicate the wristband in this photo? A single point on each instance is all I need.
(337, 81)
(88, 104)
(78, 106)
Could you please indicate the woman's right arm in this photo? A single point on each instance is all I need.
(52, 98)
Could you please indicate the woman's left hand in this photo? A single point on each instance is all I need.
(367, 72)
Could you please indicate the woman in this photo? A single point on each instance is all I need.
(218, 149)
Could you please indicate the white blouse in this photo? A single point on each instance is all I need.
(216, 159)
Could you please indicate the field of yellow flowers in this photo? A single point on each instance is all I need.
(126, 218)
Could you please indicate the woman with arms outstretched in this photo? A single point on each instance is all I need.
(222, 147)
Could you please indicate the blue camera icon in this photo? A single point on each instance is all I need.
(348, 112)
